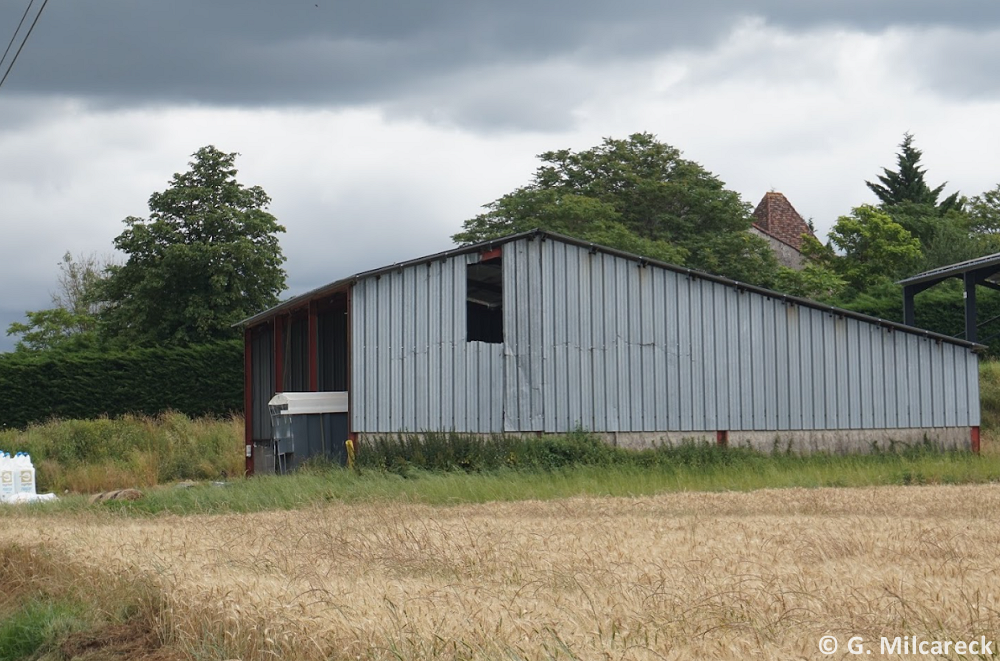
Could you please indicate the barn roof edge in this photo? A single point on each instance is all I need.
(297, 302)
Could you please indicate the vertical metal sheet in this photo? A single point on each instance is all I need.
(840, 411)
(658, 319)
(683, 392)
(396, 322)
(868, 404)
(972, 385)
(782, 416)
(794, 365)
(597, 321)
(706, 358)
(852, 360)
(612, 342)
(757, 344)
(905, 385)
(633, 356)
(574, 417)
(673, 323)
(446, 346)
(585, 354)
(697, 358)
(723, 357)
(435, 326)
(769, 340)
(551, 280)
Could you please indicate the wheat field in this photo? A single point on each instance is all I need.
(760, 575)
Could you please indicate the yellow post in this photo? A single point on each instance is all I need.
(350, 453)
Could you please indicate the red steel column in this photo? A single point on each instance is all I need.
(975, 439)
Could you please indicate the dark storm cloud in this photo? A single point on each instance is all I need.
(257, 52)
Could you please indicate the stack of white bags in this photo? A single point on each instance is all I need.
(17, 479)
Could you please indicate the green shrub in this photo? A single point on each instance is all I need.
(196, 380)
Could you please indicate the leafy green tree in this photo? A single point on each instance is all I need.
(637, 195)
(984, 220)
(207, 257)
(72, 321)
(54, 328)
(875, 247)
(907, 185)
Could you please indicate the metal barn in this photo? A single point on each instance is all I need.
(540, 333)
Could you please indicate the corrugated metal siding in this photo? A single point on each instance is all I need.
(261, 380)
(411, 365)
(632, 348)
(597, 341)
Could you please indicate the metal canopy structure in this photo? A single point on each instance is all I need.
(982, 271)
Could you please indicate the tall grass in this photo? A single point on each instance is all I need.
(87, 456)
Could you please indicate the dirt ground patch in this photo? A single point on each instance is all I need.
(121, 642)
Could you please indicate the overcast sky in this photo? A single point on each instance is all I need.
(378, 127)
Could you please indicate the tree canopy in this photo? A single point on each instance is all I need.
(638, 195)
(906, 184)
(207, 257)
(72, 321)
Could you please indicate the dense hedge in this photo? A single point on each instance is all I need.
(198, 380)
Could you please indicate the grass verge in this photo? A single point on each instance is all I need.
(705, 470)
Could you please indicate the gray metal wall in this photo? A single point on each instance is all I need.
(411, 366)
(597, 341)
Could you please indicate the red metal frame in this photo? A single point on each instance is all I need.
(248, 401)
(975, 439)
(722, 438)
(490, 254)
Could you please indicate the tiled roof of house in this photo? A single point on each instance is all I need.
(776, 216)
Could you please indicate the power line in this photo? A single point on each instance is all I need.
(14, 36)
(21, 47)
